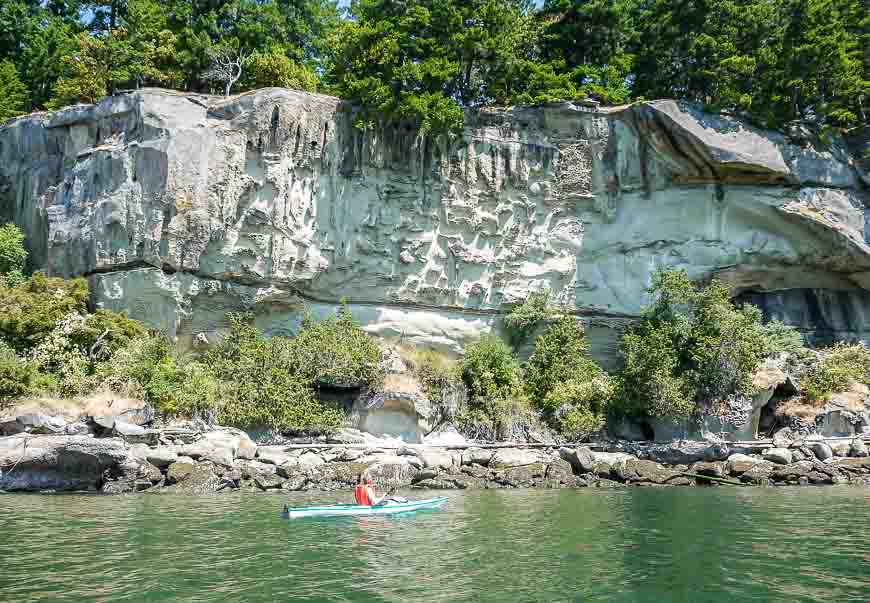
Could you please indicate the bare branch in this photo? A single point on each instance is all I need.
(226, 66)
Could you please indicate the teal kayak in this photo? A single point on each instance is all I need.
(387, 508)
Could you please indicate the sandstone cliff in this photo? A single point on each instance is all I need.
(181, 207)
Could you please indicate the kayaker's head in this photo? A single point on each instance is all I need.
(366, 478)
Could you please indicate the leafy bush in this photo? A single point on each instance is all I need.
(840, 366)
(12, 252)
(266, 69)
(690, 345)
(440, 378)
(581, 405)
(497, 406)
(522, 320)
(261, 382)
(336, 352)
(560, 355)
(782, 338)
(29, 312)
(16, 376)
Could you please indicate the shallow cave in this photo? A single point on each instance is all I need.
(769, 422)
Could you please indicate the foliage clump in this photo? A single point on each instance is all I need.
(693, 345)
(522, 320)
(840, 367)
(497, 406)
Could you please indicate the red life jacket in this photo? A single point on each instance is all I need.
(361, 494)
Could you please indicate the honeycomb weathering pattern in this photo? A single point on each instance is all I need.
(181, 207)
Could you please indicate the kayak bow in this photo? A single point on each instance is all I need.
(389, 508)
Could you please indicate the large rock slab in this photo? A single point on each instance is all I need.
(59, 462)
(514, 457)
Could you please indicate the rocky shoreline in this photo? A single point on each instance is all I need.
(113, 456)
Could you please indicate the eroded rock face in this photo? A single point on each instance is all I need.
(182, 207)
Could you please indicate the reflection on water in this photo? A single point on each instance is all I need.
(717, 544)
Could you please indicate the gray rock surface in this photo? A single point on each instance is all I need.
(58, 462)
(781, 456)
(582, 459)
(858, 448)
(181, 207)
(514, 457)
(738, 464)
(822, 451)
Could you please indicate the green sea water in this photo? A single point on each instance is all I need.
(669, 544)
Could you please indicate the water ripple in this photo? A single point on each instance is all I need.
(716, 544)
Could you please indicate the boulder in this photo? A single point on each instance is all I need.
(477, 456)
(309, 459)
(559, 470)
(781, 456)
(791, 472)
(161, 456)
(268, 481)
(105, 423)
(347, 436)
(858, 448)
(842, 448)
(739, 464)
(438, 459)
(39, 423)
(642, 470)
(59, 462)
(10, 426)
(191, 479)
(715, 469)
(178, 472)
(140, 415)
(782, 439)
(251, 469)
(445, 435)
(520, 476)
(678, 453)
(582, 459)
(759, 474)
(393, 471)
(134, 434)
(514, 457)
(277, 455)
(134, 476)
(77, 428)
(716, 452)
(821, 450)
(351, 454)
(247, 448)
(210, 450)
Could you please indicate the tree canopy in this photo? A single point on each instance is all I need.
(425, 61)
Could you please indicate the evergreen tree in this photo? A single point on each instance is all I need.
(13, 93)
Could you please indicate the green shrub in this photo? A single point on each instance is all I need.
(16, 376)
(29, 312)
(336, 352)
(840, 366)
(497, 405)
(691, 345)
(12, 252)
(560, 354)
(112, 330)
(489, 369)
(581, 405)
(440, 378)
(782, 338)
(261, 381)
(520, 322)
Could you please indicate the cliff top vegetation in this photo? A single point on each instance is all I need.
(425, 61)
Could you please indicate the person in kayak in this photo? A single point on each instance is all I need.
(364, 492)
